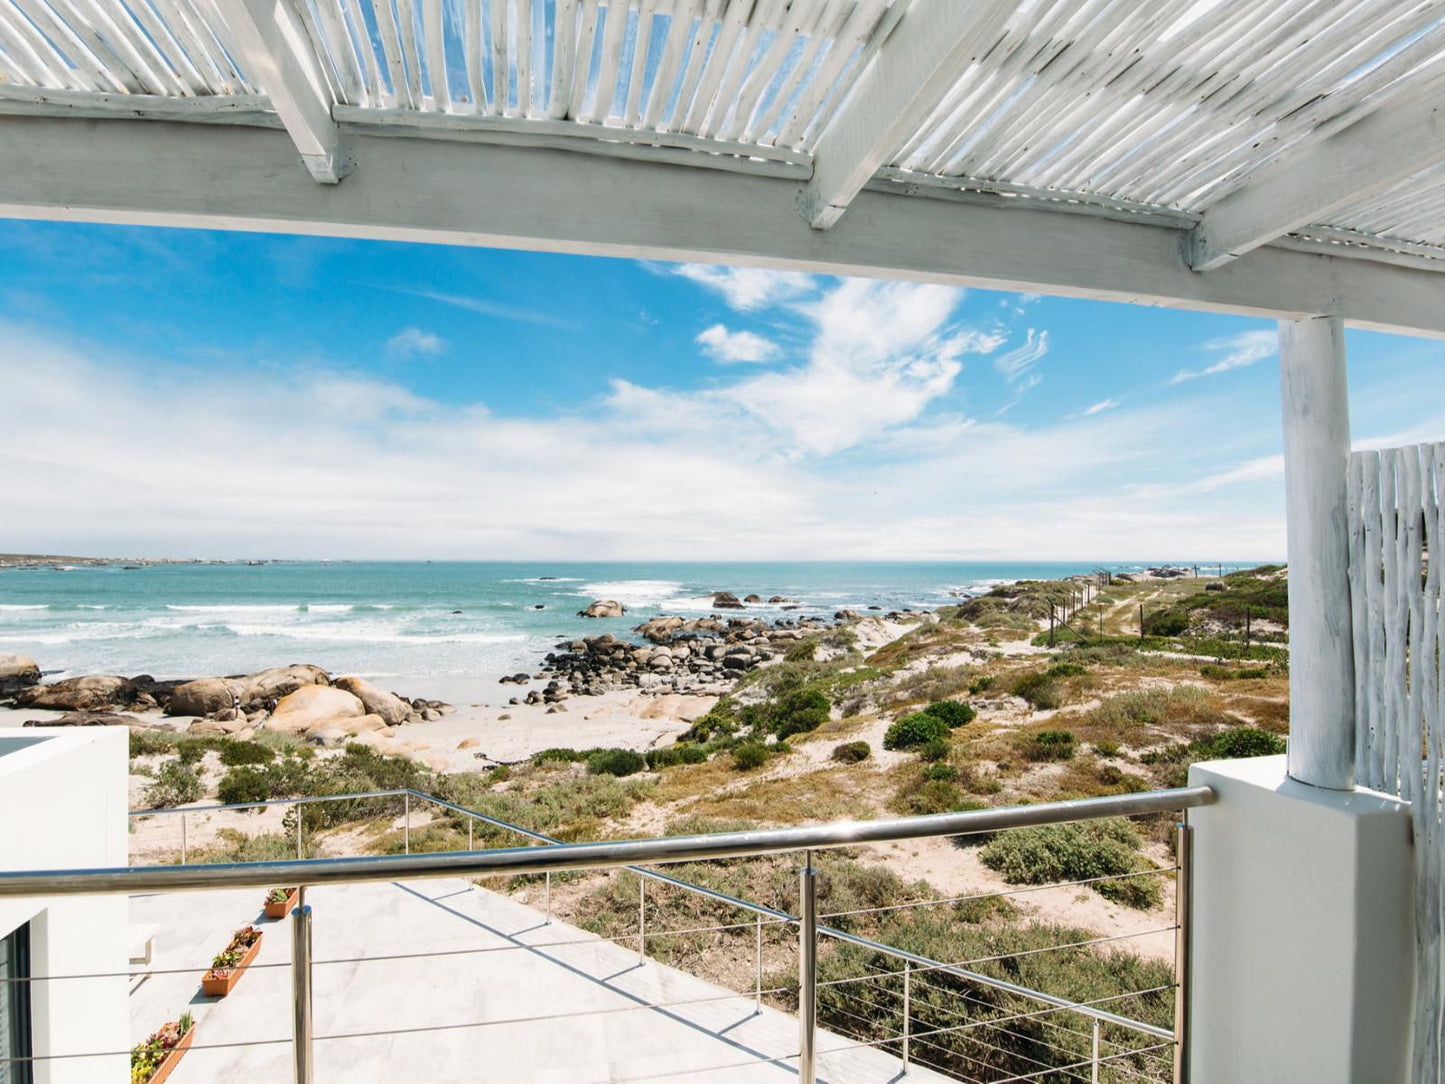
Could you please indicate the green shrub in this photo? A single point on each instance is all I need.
(799, 712)
(145, 743)
(803, 651)
(936, 796)
(982, 684)
(1075, 852)
(1106, 748)
(945, 772)
(244, 784)
(934, 750)
(245, 752)
(750, 755)
(1041, 691)
(1065, 670)
(558, 756)
(954, 713)
(191, 750)
(618, 762)
(913, 730)
(176, 784)
(1050, 745)
(851, 752)
(671, 755)
(1244, 741)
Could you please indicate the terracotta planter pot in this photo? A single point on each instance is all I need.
(214, 985)
(282, 908)
(172, 1059)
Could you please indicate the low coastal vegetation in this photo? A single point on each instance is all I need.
(967, 709)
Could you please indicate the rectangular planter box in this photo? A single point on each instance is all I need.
(219, 986)
(283, 908)
(172, 1059)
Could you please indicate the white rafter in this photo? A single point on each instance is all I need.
(1302, 189)
(915, 68)
(278, 56)
(163, 173)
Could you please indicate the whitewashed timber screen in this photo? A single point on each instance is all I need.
(1397, 512)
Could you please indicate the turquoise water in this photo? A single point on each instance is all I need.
(413, 618)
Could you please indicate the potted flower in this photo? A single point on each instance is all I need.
(279, 902)
(228, 965)
(152, 1061)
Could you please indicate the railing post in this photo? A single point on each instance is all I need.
(1094, 1062)
(758, 964)
(183, 839)
(301, 988)
(470, 822)
(1183, 890)
(549, 897)
(807, 971)
(299, 818)
(641, 920)
(406, 822)
(907, 1010)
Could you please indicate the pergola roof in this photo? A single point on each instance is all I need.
(1300, 126)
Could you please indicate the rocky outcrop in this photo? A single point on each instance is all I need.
(92, 693)
(726, 600)
(17, 672)
(337, 730)
(268, 687)
(604, 607)
(302, 709)
(702, 656)
(392, 709)
(204, 696)
(89, 718)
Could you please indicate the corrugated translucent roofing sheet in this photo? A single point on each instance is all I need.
(1164, 105)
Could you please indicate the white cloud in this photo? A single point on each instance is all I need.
(412, 342)
(749, 288)
(1239, 351)
(732, 346)
(1017, 365)
(1101, 406)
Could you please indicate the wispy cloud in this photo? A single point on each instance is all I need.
(1101, 406)
(748, 289)
(726, 346)
(1237, 352)
(412, 342)
(1017, 366)
(499, 309)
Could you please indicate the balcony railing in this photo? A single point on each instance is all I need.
(900, 981)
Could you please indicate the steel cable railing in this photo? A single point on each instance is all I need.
(553, 856)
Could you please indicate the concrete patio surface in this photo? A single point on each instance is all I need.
(506, 997)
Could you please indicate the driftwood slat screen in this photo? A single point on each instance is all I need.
(1395, 518)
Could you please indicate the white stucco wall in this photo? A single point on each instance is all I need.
(1303, 948)
(63, 806)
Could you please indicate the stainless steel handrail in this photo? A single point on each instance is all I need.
(512, 861)
(557, 855)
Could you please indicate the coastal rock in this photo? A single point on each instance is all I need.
(90, 718)
(349, 726)
(17, 672)
(93, 693)
(392, 709)
(603, 607)
(299, 711)
(203, 697)
(380, 741)
(846, 615)
(660, 629)
(726, 600)
(266, 687)
(217, 727)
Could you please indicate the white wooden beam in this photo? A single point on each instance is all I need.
(1391, 144)
(165, 173)
(904, 83)
(276, 54)
(1316, 472)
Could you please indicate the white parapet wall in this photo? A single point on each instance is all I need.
(1303, 951)
(63, 806)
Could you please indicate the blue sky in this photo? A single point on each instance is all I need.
(198, 393)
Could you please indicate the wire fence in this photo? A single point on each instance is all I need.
(1007, 1007)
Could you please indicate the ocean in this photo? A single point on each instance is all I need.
(417, 619)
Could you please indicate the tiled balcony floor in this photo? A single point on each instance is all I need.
(416, 1020)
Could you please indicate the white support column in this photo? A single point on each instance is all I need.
(1316, 464)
